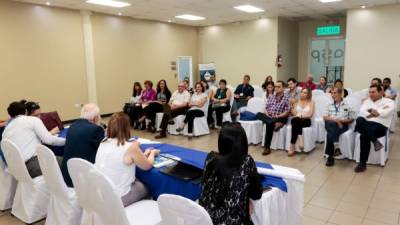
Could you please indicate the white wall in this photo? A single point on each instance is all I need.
(288, 35)
(372, 46)
(241, 48)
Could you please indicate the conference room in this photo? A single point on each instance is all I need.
(199, 112)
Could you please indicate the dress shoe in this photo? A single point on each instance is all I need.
(330, 161)
(266, 151)
(360, 168)
(161, 135)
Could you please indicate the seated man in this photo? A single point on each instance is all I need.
(83, 139)
(27, 132)
(309, 83)
(178, 105)
(338, 116)
(276, 114)
(389, 91)
(242, 95)
(376, 81)
(293, 92)
(374, 119)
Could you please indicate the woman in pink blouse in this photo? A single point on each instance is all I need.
(148, 95)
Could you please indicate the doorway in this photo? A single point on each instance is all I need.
(327, 58)
(185, 69)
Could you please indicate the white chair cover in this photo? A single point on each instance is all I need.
(308, 136)
(253, 129)
(200, 124)
(278, 138)
(258, 91)
(349, 91)
(97, 197)
(177, 210)
(157, 122)
(362, 94)
(316, 93)
(226, 117)
(8, 186)
(63, 207)
(321, 103)
(31, 197)
(346, 144)
(378, 158)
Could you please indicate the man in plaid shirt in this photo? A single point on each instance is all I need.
(276, 114)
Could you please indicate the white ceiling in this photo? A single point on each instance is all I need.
(220, 11)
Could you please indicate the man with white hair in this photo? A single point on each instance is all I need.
(83, 138)
(309, 83)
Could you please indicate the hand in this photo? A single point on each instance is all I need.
(374, 113)
(155, 152)
(236, 96)
(55, 131)
(173, 107)
(339, 123)
(147, 152)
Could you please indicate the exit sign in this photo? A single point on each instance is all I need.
(328, 30)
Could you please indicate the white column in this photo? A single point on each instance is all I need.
(89, 56)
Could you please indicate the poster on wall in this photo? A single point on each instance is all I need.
(206, 71)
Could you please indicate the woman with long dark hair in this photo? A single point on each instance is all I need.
(230, 179)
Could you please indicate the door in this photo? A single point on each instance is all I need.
(185, 70)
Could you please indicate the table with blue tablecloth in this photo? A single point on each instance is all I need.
(282, 205)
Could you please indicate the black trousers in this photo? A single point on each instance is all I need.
(369, 132)
(219, 111)
(297, 127)
(170, 114)
(151, 110)
(333, 132)
(270, 125)
(33, 167)
(190, 116)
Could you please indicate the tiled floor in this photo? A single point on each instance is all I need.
(333, 196)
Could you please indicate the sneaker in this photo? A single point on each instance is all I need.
(339, 156)
(330, 162)
(377, 145)
(217, 127)
(360, 168)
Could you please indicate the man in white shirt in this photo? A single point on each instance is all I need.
(374, 119)
(178, 105)
(27, 132)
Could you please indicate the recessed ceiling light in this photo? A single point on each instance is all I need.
(110, 3)
(190, 17)
(328, 1)
(48, 3)
(363, 6)
(248, 8)
(120, 14)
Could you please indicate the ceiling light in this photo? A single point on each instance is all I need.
(363, 6)
(110, 3)
(48, 3)
(248, 8)
(190, 17)
(120, 14)
(328, 1)
(169, 21)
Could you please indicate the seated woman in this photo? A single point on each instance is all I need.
(197, 108)
(339, 84)
(117, 158)
(230, 179)
(33, 109)
(323, 84)
(268, 79)
(269, 89)
(148, 96)
(135, 106)
(220, 104)
(302, 112)
(154, 107)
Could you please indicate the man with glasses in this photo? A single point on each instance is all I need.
(242, 95)
(276, 114)
(338, 116)
(178, 105)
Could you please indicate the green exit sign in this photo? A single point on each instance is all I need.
(328, 30)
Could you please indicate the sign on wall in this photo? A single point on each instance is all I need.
(328, 30)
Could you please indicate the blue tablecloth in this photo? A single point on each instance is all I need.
(59, 150)
(159, 183)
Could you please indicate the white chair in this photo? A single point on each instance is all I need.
(321, 102)
(8, 186)
(258, 91)
(226, 117)
(346, 143)
(177, 210)
(377, 158)
(157, 121)
(31, 197)
(395, 118)
(316, 93)
(63, 207)
(102, 204)
(200, 124)
(278, 138)
(349, 91)
(254, 128)
(309, 134)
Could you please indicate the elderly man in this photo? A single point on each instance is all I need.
(27, 132)
(178, 105)
(309, 83)
(83, 139)
(276, 114)
(374, 120)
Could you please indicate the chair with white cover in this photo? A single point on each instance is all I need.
(309, 134)
(226, 117)
(278, 141)
(321, 102)
(200, 124)
(395, 118)
(101, 203)
(176, 210)
(377, 158)
(63, 206)
(316, 93)
(258, 91)
(31, 197)
(8, 186)
(254, 128)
